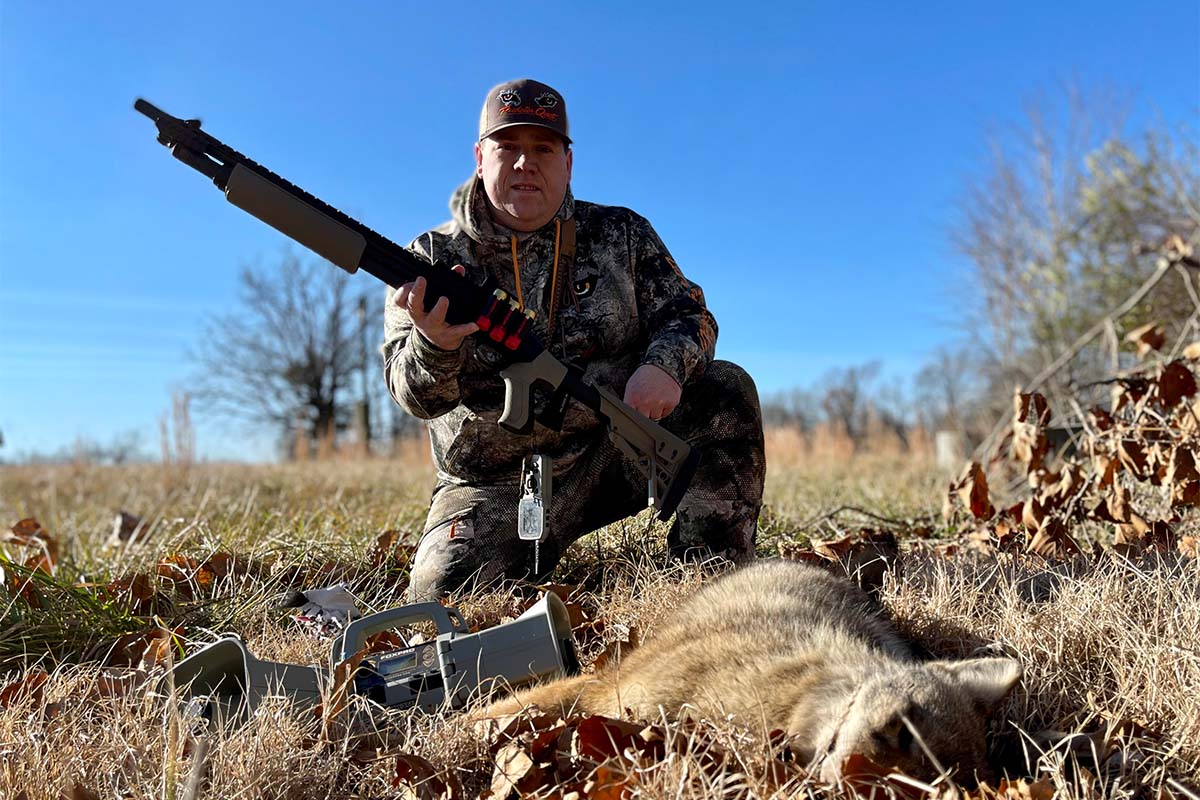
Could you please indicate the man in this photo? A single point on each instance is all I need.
(609, 299)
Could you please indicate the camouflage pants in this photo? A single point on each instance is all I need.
(470, 534)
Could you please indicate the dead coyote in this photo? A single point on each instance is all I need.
(786, 646)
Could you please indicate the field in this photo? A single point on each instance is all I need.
(1109, 637)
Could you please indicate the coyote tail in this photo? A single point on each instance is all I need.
(557, 697)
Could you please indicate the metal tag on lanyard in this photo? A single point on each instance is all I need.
(533, 524)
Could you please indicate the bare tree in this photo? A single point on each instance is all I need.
(846, 400)
(947, 389)
(177, 437)
(287, 355)
(894, 410)
(1053, 228)
(794, 408)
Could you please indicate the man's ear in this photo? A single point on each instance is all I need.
(479, 161)
(570, 161)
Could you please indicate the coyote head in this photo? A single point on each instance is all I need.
(923, 719)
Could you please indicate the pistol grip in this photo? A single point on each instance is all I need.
(518, 384)
(516, 417)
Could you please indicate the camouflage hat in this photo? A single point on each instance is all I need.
(523, 102)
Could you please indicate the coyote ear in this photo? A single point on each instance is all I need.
(987, 680)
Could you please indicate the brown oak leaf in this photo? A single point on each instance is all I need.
(1053, 541)
(972, 490)
(1147, 337)
(1183, 477)
(29, 687)
(417, 779)
(1176, 384)
(29, 532)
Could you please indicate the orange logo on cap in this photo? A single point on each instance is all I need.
(536, 112)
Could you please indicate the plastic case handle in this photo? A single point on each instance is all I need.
(354, 638)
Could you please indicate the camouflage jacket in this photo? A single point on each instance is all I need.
(622, 302)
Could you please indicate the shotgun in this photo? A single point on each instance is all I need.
(667, 461)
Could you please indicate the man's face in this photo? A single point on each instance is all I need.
(525, 170)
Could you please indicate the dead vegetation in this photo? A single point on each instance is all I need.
(1081, 562)
(1109, 640)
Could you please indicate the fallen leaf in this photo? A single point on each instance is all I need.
(1143, 535)
(1010, 541)
(627, 639)
(609, 784)
(384, 641)
(139, 593)
(392, 547)
(576, 613)
(30, 533)
(40, 563)
(865, 556)
(224, 565)
(793, 551)
(184, 574)
(1192, 352)
(114, 684)
(1176, 384)
(1183, 477)
(504, 729)
(1025, 403)
(1189, 546)
(340, 690)
(126, 527)
(1100, 419)
(143, 650)
(600, 738)
(1188, 418)
(972, 489)
(1053, 540)
(1022, 789)
(417, 779)
(1132, 453)
(30, 687)
(513, 765)
(1129, 391)
(1106, 468)
(1116, 506)
(868, 780)
(947, 550)
(382, 549)
(1147, 337)
(1070, 482)
(1030, 445)
(1032, 514)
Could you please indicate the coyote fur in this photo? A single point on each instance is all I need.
(787, 646)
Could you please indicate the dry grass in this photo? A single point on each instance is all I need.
(1108, 646)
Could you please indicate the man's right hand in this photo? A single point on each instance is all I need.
(432, 325)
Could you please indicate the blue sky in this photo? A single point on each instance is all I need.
(801, 160)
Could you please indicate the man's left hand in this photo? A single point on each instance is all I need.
(652, 391)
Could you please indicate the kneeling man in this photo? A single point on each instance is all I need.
(609, 299)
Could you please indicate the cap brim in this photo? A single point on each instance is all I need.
(490, 131)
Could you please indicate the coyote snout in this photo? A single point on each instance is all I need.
(919, 719)
(786, 646)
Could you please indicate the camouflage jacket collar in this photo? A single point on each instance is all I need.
(469, 208)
